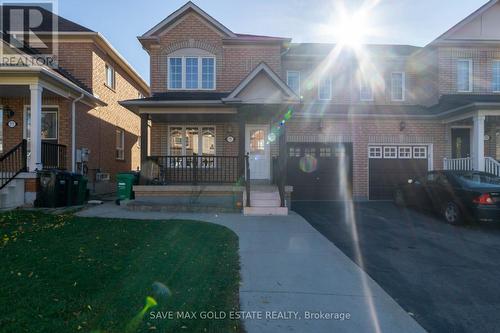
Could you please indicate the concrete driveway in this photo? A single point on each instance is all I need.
(289, 270)
(448, 277)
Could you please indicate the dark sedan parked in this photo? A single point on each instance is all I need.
(458, 196)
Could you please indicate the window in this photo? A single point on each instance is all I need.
(375, 152)
(257, 142)
(140, 95)
(464, 75)
(120, 144)
(191, 73)
(404, 152)
(208, 73)
(390, 152)
(398, 86)
(496, 76)
(110, 77)
(294, 152)
(420, 152)
(175, 73)
(293, 81)
(49, 124)
(325, 89)
(365, 91)
(310, 152)
(192, 141)
(325, 152)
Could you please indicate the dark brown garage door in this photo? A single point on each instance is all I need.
(320, 171)
(392, 165)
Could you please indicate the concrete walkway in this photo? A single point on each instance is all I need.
(289, 270)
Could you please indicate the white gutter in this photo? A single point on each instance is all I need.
(73, 132)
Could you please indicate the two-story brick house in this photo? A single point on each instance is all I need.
(67, 109)
(323, 118)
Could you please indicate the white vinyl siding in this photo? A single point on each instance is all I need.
(398, 86)
(191, 73)
(496, 76)
(293, 81)
(325, 89)
(464, 75)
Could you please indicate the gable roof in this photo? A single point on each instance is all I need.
(480, 11)
(180, 12)
(263, 68)
(63, 25)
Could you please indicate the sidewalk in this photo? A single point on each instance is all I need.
(291, 269)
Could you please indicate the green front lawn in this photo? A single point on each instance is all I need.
(68, 274)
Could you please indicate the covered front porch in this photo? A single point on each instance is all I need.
(474, 140)
(37, 112)
(201, 142)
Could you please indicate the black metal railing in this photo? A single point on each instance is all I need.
(247, 178)
(13, 163)
(279, 178)
(53, 156)
(195, 169)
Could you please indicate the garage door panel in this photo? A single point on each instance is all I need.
(386, 173)
(322, 178)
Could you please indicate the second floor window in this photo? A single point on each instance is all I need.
(496, 76)
(110, 77)
(293, 81)
(325, 89)
(464, 75)
(365, 91)
(398, 86)
(191, 73)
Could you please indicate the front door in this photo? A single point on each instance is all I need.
(460, 142)
(259, 151)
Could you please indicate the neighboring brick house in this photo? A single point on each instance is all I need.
(88, 81)
(328, 121)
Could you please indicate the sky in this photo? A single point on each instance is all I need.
(392, 21)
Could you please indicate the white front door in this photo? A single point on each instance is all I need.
(257, 145)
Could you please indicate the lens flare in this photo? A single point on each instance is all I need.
(308, 164)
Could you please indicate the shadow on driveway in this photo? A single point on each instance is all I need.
(448, 277)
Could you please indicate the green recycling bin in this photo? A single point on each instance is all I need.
(78, 189)
(125, 182)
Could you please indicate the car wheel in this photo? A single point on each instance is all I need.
(399, 198)
(452, 213)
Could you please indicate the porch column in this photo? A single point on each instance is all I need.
(478, 143)
(144, 138)
(35, 162)
(241, 142)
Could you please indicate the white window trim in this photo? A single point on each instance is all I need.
(361, 95)
(329, 92)
(113, 71)
(386, 154)
(375, 152)
(403, 87)
(471, 72)
(200, 73)
(122, 148)
(200, 138)
(492, 79)
(401, 156)
(415, 156)
(288, 83)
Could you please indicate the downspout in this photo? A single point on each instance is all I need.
(73, 132)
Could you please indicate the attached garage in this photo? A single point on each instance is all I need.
(390, 165)
(320, 171)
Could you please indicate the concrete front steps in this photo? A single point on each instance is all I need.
(264, 201)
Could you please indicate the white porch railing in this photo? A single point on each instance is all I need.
(492, 166)
(458, 163)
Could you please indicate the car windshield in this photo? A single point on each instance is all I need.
(476, 180)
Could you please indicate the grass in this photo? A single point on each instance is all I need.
(62, 273)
